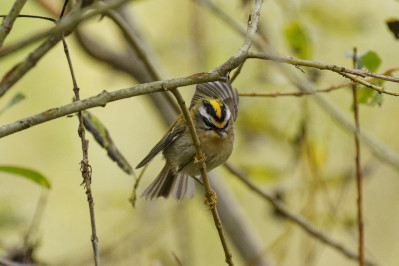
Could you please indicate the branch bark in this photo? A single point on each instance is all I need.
(9, 20)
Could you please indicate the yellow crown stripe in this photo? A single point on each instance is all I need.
(217, 124)
(216, 106)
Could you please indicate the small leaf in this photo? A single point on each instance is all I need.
(393, 26)
(364, 94)
(101, 135)
(376, 99)
(26, 173)
(297, 38)
(16, 99)
(371, 61)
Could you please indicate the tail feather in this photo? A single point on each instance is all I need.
(167, 184)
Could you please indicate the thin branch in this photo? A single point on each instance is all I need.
(67, 24)
(9, 20)
(202, 166)
(322, 66)
(28, 63)
(297, 219)
(358, 168)
(134, 43)
(103, 98)
(85, 167)
(242, 53)
(296, 93)
(35, 17)
(133, 196)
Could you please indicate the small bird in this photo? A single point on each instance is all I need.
(214, 109)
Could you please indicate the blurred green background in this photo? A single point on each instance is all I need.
(287, 145)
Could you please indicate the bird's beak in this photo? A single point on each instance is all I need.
(220, 133)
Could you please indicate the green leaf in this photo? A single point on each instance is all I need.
(16, 99)
(26, 173)
(376, 99)
(102, 136)
(364, 94)
(298, 40)
(371, 61)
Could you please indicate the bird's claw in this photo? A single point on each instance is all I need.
(212, 203)
(201, 160)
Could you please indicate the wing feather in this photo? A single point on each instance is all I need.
(173, 133)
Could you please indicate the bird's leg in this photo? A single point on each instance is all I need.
(200, 160)
(211, 204)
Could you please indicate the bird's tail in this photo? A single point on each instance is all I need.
(167, 184)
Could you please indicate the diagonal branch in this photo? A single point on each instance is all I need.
(9, 20)
(299, 220)
(241, 54)
(103, 98)
(322, 66)
(67, 24)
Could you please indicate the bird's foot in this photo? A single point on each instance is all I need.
(200, 160)
(212, 202)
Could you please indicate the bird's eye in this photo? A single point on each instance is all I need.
(207, 122)
(227, 124)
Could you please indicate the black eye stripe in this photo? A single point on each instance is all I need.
(207, 122)
(210, 125)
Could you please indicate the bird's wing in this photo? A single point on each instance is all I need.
(218, 90)
(173, 133)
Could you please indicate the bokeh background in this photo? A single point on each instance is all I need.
(287, 145)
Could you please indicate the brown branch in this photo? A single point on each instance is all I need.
(85, 167)
(296, 93)
(347, 72)
(133, 196)
(358, 168)
(241, 55)
(67, 24)
(9, 20)
(295, 218)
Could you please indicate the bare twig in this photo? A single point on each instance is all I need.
(103, 98)
(133, 196)
(299, 220)
(9, 20)
(67, 24)
(85, 167)
(29, 62)
(322, 66)
(134, 43)
(242, 53)
(358, 169)
(296, 93)
(303, 93)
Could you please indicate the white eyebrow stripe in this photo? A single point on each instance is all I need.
(203, 112)
(228, 114)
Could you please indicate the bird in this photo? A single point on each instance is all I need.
(214, 109)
